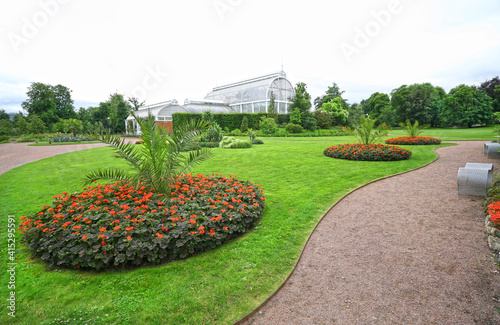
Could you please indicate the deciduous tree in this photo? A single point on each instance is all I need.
(466, 106)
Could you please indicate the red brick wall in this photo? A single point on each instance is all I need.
(165, 125)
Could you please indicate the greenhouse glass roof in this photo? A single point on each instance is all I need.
(255, 92)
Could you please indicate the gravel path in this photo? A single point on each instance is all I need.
(404, 250)
(14, 154)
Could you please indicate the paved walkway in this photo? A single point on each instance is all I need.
(404, 250)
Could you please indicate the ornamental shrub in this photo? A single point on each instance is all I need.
(294, 128)
(233, 143)
(244, 124)
(418, 140)
(118, 224)
(268, 126)
(367, 152)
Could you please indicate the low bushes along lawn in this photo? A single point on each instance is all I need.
(118, 225)
(418, 140)
(367, 152)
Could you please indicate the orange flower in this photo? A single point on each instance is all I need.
(129, 238)
(103, 229)
(129, 228)
(85, 236)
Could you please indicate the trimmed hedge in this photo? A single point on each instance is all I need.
(231, 121)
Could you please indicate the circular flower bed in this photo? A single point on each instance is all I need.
(118, 224)
(413, 140)
(367, 152)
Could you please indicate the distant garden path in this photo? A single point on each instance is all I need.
(13, 154)
(403, 250)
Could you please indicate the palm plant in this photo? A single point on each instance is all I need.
(365, 132)
(158, 160)
(412, 130)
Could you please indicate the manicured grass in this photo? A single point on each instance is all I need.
(60, 143)
(219, 286)
(475, 133)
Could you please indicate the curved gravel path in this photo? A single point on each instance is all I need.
(403, 250)
(14, 154)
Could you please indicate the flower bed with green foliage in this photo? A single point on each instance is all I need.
(367, 152)
(121, 225)
(417, 140)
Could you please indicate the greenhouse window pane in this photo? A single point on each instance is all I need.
(246, 108)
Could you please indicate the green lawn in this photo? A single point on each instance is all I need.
(219, 286)
(475, 133)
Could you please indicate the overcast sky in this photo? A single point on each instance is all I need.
(162, 50)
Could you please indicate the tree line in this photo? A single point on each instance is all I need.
(51, 109)
(462, 106)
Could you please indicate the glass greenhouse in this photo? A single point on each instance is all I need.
(247, 96)
(253, 95)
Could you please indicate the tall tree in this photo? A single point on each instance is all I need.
(489, 86)
(41, 102)
(135, 103)
(337, 112)
(332, 92)
(50, 103)
(4, 115)
(301, 99)
(418, 102)
(376, 103)
(64, 103)
(36, 124)
(466, 106)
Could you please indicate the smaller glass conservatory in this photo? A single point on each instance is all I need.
(163, 112)
(253, 95)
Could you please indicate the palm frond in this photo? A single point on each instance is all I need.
(110, 173)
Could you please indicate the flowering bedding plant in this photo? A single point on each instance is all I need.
(494, 212)
(367, 152)
(417, 140)
(118, 224)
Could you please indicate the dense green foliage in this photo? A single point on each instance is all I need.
(50, 103)
(466, 106)
(230, 121)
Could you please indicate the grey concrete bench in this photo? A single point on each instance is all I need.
(491, 150)
(475, 179)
